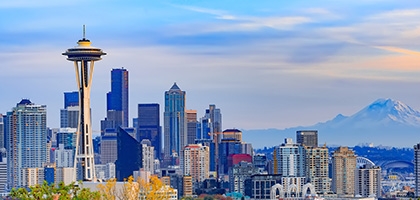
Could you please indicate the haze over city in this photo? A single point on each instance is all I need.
(270, 64)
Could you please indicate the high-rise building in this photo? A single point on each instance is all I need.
(67, 137)
(3, 170)
(71, 99)
(64, 157)
(417, 169)
(175, 124)
(129, 155)
(228, 146)
(83, 57)
(289, 159)
(316, 168)
(191, 126)
(69, 117)
(2, 136)
(26, 140)
(368, 181)
(148, 157)
(148, 126)
(117, 98)
(307, 138)
(196, 159)
(212, 154)
(210, 123)
(109, 146)
(343, 170)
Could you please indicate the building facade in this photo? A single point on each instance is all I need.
(108, 147)
(307, 138)
(148, 126)
(343, 170)
(368, 181)
(288, 159)
(316, 168)
(26, 141)
(417, 169)
(175, 125)
(196, 162)
(191, 126)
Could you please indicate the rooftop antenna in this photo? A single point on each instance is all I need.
(84, 32)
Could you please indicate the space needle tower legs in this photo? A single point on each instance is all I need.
(84, 57)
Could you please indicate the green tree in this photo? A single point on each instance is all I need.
(53, 192)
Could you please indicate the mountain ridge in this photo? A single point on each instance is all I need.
(383, 122)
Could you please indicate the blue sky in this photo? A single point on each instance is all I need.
(266, 64)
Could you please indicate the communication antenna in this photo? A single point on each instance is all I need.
(84, 32)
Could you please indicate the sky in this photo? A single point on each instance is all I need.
(265, 64)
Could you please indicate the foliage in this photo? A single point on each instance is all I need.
(108, 190)
(53, 192)
(152, 189)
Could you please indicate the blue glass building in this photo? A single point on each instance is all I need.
(117, 98)
(71, 99)
(175, 123)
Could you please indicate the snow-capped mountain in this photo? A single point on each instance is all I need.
(386, 121)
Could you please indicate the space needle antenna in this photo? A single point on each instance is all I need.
(84, 31)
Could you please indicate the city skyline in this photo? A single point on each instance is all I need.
(287, 63)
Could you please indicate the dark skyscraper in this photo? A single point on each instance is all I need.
(117, 101)
(148, 126)
(307, 138)
(129, 155)
(191, 126)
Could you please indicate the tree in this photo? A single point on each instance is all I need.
(53, 192)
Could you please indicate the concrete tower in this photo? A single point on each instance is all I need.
(83, 56)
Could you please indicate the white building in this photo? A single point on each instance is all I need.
(64, 157)
(105, 171)
(148, 158)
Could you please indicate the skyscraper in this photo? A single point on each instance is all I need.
(26, 141)
(83, 57)
(316, 168)
(210, 123)
(289, 159)
(417, 169)
(175, 124)
(343, 169)
(148, 126)
(117, 98)
(307, 138)
(129, 155)
(191, 126)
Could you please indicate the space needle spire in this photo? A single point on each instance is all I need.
(83, 56)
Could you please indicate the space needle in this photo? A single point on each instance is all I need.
(83, 56)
